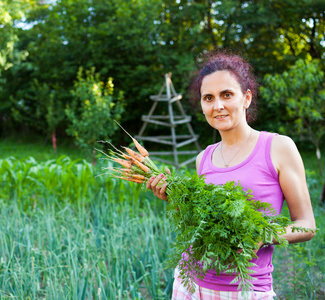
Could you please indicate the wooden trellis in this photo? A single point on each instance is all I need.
(168, 95)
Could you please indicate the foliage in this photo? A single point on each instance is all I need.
(63, 178)
(39, 108)
(102, 249)
(68, 179)
(93, 110)
(68, 34)
(10, 13)
(21, 147)
(274, 33)
(301, 91)
(136, 42)
(213, 222)
(69, 234)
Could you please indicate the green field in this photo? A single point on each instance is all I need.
(66, 234)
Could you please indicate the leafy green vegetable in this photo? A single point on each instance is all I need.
(212, 222)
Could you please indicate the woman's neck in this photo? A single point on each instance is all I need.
(235, 136)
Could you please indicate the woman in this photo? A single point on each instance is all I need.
(269, 164)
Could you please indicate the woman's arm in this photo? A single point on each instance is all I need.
(289, 165)
(198, 161)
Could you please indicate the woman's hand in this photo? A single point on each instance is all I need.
(159, 185)
(259, 245)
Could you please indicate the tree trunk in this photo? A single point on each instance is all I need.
(313, 51)
(319, 158)
(54, 141)
(209, 25)
(94, 158)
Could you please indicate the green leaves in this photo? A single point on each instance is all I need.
(65, 178)
(213, 222)
(11, 12)
(300, 92)
(93, 110)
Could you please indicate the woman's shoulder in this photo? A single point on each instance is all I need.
(284, 151)
(201, 154)
(198, 159)
(283, 142)
(279, 141)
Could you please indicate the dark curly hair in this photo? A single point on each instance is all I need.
(221, 61)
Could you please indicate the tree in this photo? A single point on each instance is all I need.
(136, 42)
(114, 36)
(301, 91)
(271, 34)
(11, 13)
(39, 109)
(93, 110)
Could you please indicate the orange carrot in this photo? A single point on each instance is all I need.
(140, 165)
(131, 179)
(125, 171)
(137, 176)
(141, 149)
(135, 155)
(124, 163)
(128, 173)
(126, 156)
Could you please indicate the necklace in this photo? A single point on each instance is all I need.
(227, 164)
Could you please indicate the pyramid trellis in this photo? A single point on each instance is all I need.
(168, 95)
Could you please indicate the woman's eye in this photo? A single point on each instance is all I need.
(227, 95)
(208, 98)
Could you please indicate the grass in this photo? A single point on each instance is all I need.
(38, 149)
(65, 234)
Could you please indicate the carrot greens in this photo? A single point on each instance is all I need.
(214, 222)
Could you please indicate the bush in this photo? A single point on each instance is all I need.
(93, 110)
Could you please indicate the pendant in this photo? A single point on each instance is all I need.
(226, 166)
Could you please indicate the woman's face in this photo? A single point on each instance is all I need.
(222, 100)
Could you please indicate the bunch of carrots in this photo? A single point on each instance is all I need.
(137, 166)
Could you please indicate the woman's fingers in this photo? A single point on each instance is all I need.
(158, 185)
(162, 190)
(149, 182)
(259, 245)
(156, 181)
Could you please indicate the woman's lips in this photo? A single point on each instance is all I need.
(220, 117)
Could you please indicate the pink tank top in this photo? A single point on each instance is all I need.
(258, 174)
